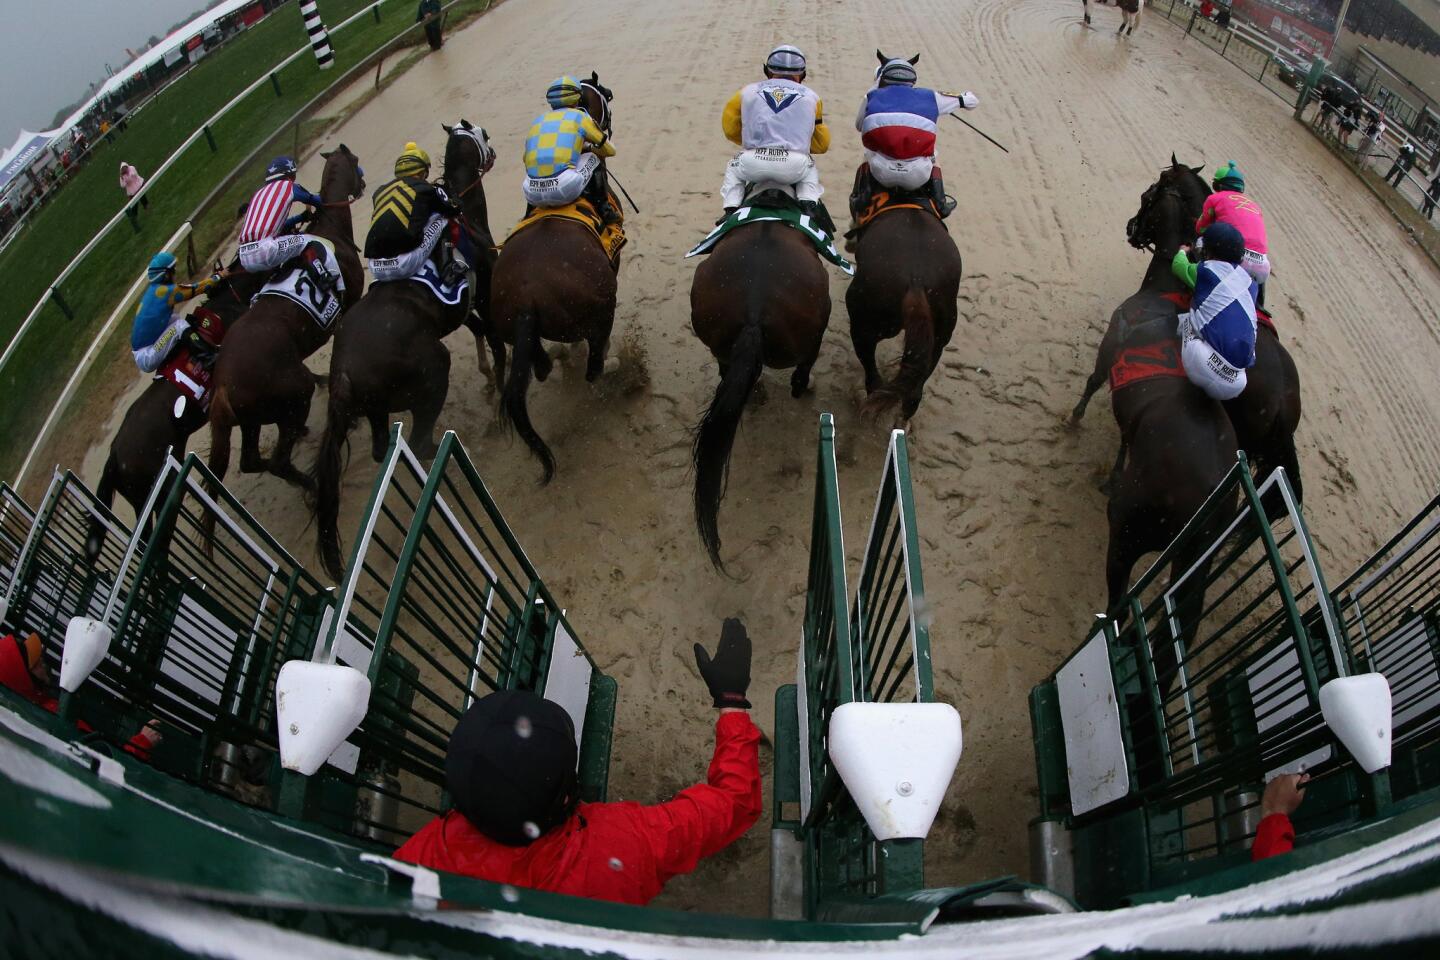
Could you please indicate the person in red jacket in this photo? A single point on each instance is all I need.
(1282, 797)
(510, 772)
(22, 669)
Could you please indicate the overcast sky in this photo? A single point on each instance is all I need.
(51, 50)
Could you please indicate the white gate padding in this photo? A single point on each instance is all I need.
(896, 759)
(1358, 710)
(86, 643)
(317, 706)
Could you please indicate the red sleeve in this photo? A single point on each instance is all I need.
(706, 818)
(1274, 835)
(140, 747)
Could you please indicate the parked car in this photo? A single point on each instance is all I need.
(1339, 93)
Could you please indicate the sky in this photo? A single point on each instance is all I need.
(50, 51)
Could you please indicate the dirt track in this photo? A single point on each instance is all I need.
(1012, 522)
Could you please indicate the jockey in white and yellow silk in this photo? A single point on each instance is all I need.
(563, 152)
(779, 123)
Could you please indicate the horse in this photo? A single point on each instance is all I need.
(1267, 413)
(261, 375)
(907, 276)
(1129, 14)
(552, 281)
(389, 353)
(163, 417)
(761, 298)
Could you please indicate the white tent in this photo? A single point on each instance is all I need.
(21, 154)
(173, 42)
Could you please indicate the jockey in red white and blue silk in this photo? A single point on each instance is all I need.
(265, 240)
(898, 122)
(158, 329)
(1217, 334)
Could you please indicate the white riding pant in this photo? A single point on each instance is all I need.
(771, 165)
(563, 188)
(408, 264)
(1208, 370)
(1257, 265)
(909, 174)
(262, 256)
(149, 359)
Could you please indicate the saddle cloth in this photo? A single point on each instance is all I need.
(611, 235)
(883, 201)
(429, 278)
(1146, 362)
(183, 370)
(790, 216)
(322, 305)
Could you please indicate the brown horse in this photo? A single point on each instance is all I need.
(1267, 413)
(907, 276)
(761, 298)
(389, 353)
(261, 375)
(552, 281)
(163, 417)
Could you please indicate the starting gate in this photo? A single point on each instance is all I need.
(16, 519)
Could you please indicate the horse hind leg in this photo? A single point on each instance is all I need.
(596, 362)
(292, 428)
(250, 459)
(427, 408)
(379, 434)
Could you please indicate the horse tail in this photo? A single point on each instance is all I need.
(105, 493)
(325, 501)
(916, 361)
(715, 435)
(513, 412)
(1283, 443)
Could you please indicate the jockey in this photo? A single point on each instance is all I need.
(779, 124)
(563, 154)
(1217, 334)
(897, 124)
(1229, 204)
(158, 329)
(265, 240)
(410, 215)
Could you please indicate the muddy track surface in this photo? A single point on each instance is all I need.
(1011, 518)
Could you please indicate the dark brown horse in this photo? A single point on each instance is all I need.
(552, 281)
(907, 275)
(389, 353)
(760, 299)
(163, 417)
(1267, 414)
(261, 375)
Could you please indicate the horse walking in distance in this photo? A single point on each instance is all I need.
(261, 377)
(554, 280)
(389, 353)
(1129, 14)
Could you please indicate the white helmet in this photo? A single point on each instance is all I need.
(786, 59)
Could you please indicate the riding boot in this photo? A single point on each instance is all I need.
(456, 268)
(861, 193)
(598, 191)
(201, 350)
(944, 204)
(312, 259)
(817, 213)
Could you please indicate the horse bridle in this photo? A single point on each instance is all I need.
(604, 119)
(1148, 203)
(487, 153)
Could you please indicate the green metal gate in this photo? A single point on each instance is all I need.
(875, 649)
(16, 519)
(439, 606)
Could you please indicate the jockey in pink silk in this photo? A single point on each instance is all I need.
(1229, 204)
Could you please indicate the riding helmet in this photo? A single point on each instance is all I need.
(1221, 241)
(1229, 177)
(281, 168)
(412, 162)
(897, 72)
(563, 92)
(160, 264)
(510, 766)
(786, 60)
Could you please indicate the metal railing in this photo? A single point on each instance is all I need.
(439, 606)
(16, 519)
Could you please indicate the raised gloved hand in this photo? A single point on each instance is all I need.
(727, 674)
(969, 101)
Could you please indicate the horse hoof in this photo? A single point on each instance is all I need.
(612, 365)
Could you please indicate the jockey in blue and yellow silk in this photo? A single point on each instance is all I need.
(158, 329)
(563, 154)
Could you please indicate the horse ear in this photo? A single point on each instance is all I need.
(594, 78)
(881, 57)
(326, 156)
(1173, 161)
(915, 59)
(1196, 170)
(447, 128)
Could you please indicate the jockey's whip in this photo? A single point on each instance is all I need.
(617, 183)
(979, 131)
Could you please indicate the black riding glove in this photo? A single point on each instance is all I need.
(727, 674)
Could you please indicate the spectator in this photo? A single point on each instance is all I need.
(1207, 9)
(1349, 123)
(510, 773)
(1222, 19)
(1434, 156)
(1401, 166)
(1432, 195)
(131, 182)
(429, 14)
(1276, 834)
(1374, 130)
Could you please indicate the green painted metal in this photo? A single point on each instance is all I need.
(1217, 664)
(16, 519)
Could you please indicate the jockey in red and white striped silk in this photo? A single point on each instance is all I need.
(264, 241)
